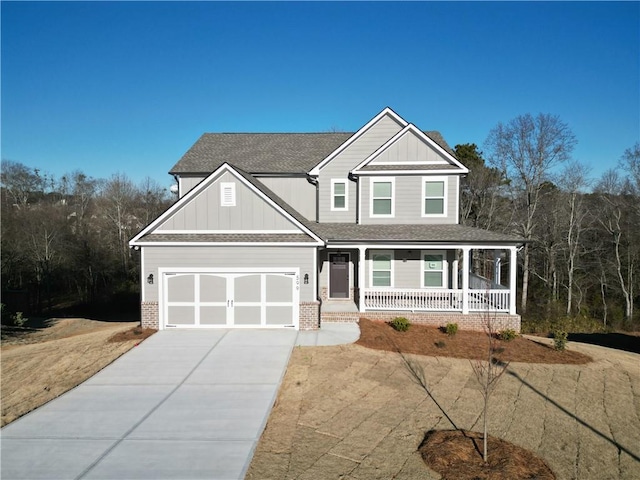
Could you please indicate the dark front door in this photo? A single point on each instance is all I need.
(338, 275)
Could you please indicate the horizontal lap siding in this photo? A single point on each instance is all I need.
(228, 257)
(340, 166)
(409, 202)
(407, 274)
(297, 192)
(205, 213)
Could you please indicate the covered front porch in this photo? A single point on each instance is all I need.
(462, 279)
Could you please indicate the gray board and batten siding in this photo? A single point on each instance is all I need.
(407, 149)
(408, 201)
(205, 213)
(222, 257)
(340, 166)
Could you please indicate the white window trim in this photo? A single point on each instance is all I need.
(372, 182)
(373, 253)
(346, 194)
(445, 267)
(224, 200)
(443, 179)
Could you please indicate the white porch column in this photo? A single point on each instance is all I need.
(454, 274)
(513, 267)
(496, 266)
(361, 278)
(465, 280)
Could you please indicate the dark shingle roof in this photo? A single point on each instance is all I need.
(266, 152)
(259, 152)
(227, 237)
(437, 166)
(347, 232)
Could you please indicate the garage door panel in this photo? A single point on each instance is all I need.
(279, 288)
(213, 315)
(228, 298)
(180, 288)
(279, 315)
(182, 315)
(247, 288)
(213, 288)
(247, 315)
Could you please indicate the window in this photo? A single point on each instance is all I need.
(382, 197)
(434, 195)
(339, 195)
(381, 269)
(434, 269)
(227, 194)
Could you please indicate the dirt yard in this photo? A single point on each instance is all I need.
(355, 413)
(39, 366)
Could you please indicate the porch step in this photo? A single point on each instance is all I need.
(334, 306)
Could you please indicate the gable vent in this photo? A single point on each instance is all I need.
(227, 194)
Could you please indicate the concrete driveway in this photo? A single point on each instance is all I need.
(182, 405)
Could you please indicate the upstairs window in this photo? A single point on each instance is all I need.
(381, 269)
(382, 197)
(339, 199)
(434, 197)
(227, 194)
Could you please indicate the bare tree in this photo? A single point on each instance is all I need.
(574, 180)
(526, 149)
(488, 371)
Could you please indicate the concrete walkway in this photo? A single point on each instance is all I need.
(182, 405)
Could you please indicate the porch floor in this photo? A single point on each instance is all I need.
(338, 306)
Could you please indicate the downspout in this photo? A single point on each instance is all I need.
(314, 181)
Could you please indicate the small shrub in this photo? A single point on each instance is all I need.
(560, 339)
(451, 329)
(507, 334)
(440, 344)
(400, 324)
(18, 319)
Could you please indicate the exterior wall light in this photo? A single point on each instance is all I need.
(306, 279)
(150, 279)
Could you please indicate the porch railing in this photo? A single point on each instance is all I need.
(435, 299)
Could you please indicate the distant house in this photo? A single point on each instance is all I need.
(299, 229)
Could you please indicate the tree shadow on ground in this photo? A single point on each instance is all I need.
(619, 341)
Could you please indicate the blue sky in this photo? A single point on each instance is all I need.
(109, 87)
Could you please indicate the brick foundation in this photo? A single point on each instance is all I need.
(471, 321)
(149, 315)
(339, 317)
(309, 315)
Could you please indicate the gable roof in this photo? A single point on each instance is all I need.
(447, 162)
(286, 153)
(259, 152)
(144, 236)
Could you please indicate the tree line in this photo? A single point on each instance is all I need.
(65, 240)
(582, 252)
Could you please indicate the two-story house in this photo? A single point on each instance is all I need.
(298, 229)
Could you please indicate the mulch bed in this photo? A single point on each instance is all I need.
(135, 333)
(427, 340)
(456, 455)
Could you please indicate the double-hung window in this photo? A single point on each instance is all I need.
(434, 269)
(434, 195)
(382, 192)
(339, 195)
(382, 268)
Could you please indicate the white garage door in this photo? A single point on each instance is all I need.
(230, 299)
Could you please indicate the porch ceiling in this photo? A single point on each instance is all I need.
(335, 233)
